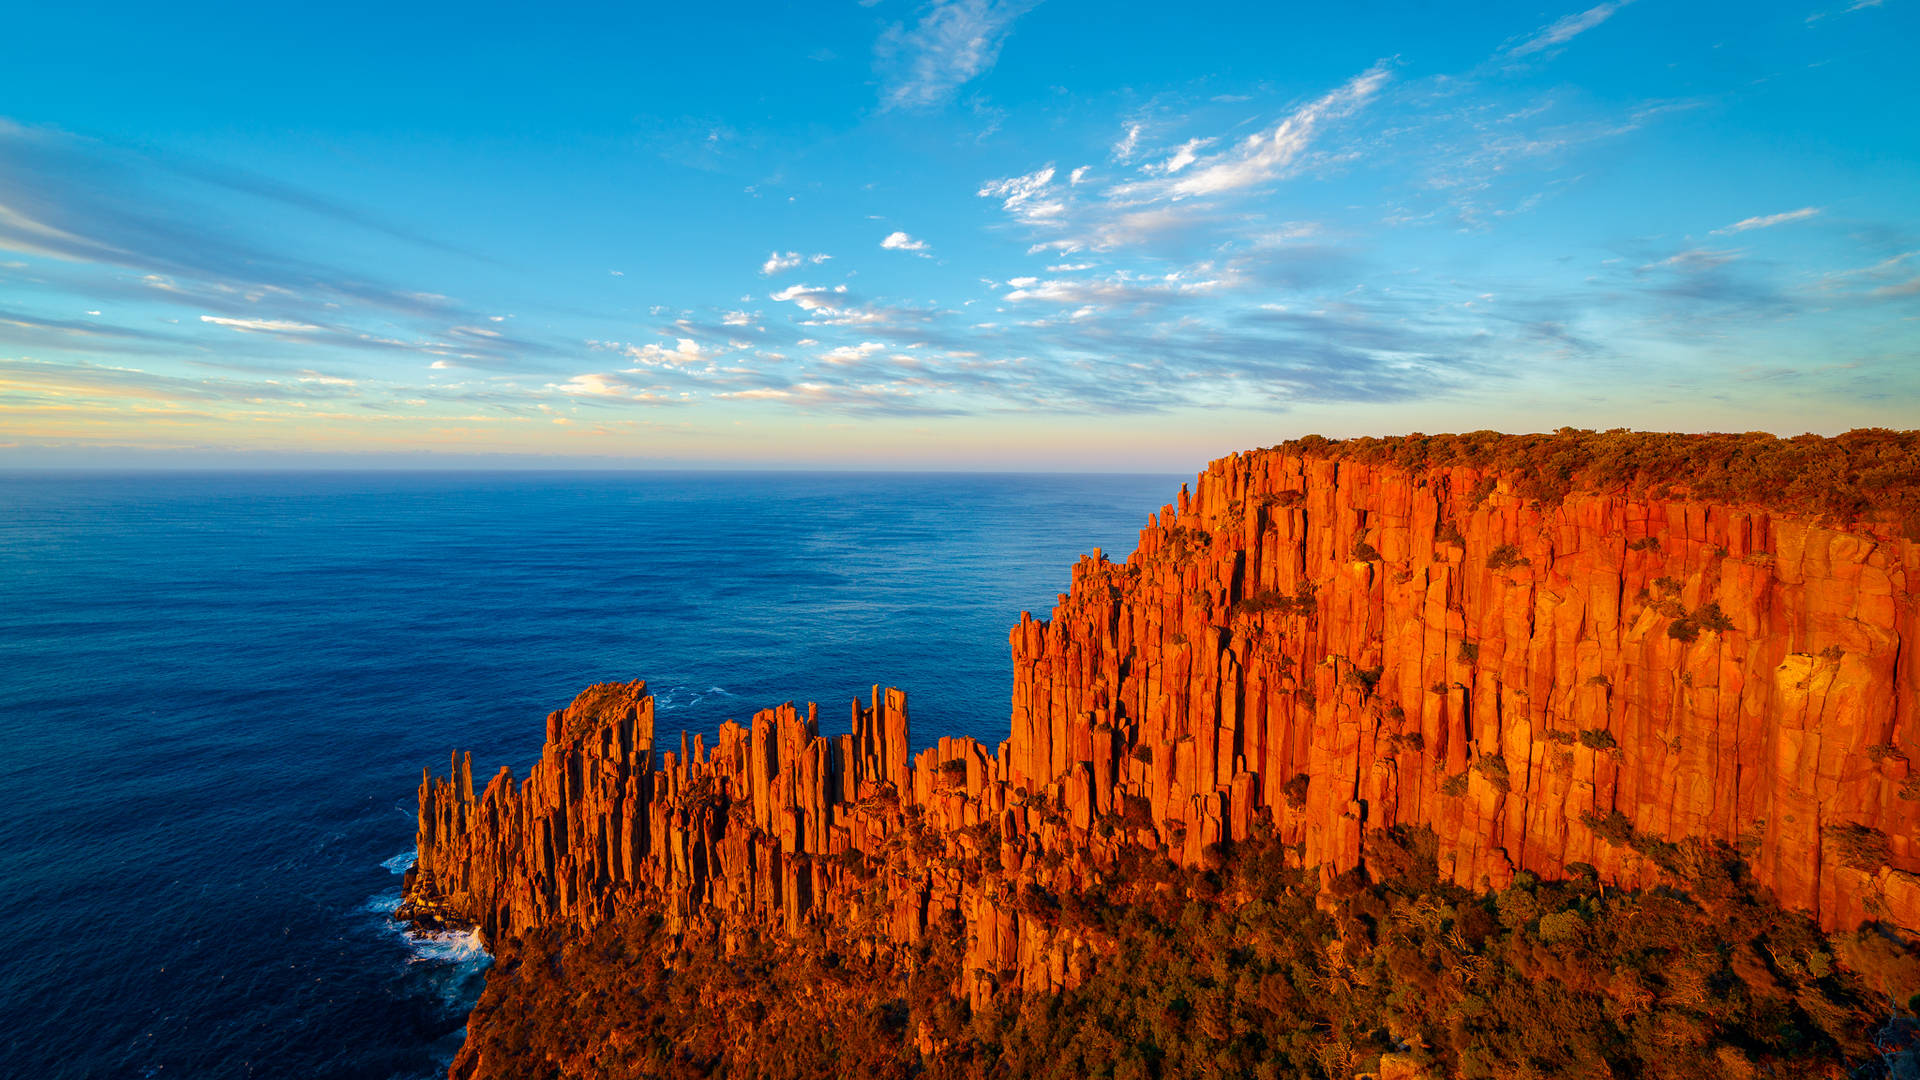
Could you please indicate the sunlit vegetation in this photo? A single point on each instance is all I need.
(1233, 969)
(1866, 474)
(1299, 602)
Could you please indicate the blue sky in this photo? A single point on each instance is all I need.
(961, 234)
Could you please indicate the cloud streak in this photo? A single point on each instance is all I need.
(1768, 221)
(1565, 29)
(954, 42)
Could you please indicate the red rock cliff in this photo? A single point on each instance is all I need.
(1314, 645)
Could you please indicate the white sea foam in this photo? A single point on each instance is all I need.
(678, 697)
(402, 862)
(685, 697)
(446, 947)
(460, 948)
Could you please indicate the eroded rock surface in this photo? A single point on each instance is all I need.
(1304, 645)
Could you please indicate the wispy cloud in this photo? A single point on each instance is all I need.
(1768, 221)
(98, 211)
(1182, 186)
(1857, 5)
(263, 326)
(1693, 261)
(1891, 278)
(1264, 155)
(1185, 155)
(954, 42)
(1565, 29)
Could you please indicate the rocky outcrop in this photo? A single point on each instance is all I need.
(1301, 645)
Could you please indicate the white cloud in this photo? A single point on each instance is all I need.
(1768, 221)
(954, 41)
(736, 318)
(1563, 30)
(1028, 197)
(1076, 176)
(1121, 288)
(1123, 150)
(1181, 158)
(685, 353)
(1265, 155)
(263, 326)
(764, 393)
(594, 384)
(899, 241)
(852, 354)
(778, 263)
(325, 380)
(809, 297)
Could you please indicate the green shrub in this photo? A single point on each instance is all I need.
(1295, 790)
(1561, 927)
(1860, 846)
(1494, 768)
(1614, 827)
(1504, 557)
(1598, 739)
(1300, 602)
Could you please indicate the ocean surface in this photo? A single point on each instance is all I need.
(217, 693)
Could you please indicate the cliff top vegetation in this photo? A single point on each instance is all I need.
(1865, 475)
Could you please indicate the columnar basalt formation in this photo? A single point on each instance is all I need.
(1318, 647)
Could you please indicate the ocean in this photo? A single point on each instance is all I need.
(217, 692)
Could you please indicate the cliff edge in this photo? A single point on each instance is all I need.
(1559, 654)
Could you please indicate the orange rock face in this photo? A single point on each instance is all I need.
(1316, 647)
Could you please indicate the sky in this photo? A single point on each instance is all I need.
(975, 234)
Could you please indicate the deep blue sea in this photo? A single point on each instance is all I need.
(217, 692)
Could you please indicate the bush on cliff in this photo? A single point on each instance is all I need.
(1240, 970)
